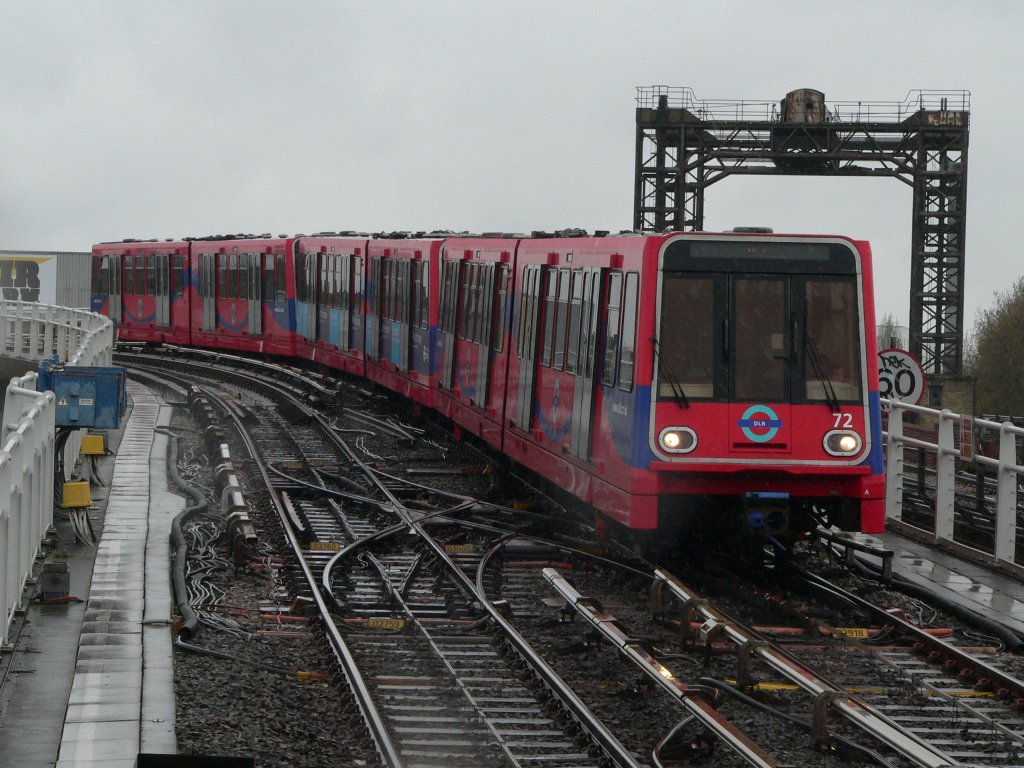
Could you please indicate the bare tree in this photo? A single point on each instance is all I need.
(887, 330)
(995, 353)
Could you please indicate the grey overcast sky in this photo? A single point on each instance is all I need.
(131, 118)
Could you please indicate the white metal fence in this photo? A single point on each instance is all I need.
(33, 332)
(956, 479)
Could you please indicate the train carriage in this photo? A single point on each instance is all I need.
(401, 313)
(727, 372)
(143, 286)
(329, 310)
(245, 294)
(577, 303)
(472, 348)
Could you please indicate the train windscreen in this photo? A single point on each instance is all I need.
(760, 328)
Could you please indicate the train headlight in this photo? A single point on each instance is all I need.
(677, 439)
(842, 442)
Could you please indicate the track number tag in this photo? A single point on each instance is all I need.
(854, 632)
(386, 623)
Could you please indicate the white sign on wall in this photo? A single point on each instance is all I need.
(28, 278)
(900, 376)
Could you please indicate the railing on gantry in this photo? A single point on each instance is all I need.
(36, 332)
(956, 479)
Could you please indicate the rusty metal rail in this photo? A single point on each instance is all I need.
(827, 696)
(693, 698)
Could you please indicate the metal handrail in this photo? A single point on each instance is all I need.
(947, 451)
(839, 111)
(31, 331)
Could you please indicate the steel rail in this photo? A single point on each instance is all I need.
(841, 701)
(374, 721)
(587, 719)
(997, 678)
(693, 698)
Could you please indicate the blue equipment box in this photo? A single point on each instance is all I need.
(86, 397)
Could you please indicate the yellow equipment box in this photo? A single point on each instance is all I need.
(76, 494)
(94, 445)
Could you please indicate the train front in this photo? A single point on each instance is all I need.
(765, 393)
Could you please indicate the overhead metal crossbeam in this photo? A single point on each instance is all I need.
(684, 145)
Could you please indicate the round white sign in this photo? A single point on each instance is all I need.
(900, 376)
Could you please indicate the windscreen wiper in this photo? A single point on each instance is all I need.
(819, 370)
(663, 369)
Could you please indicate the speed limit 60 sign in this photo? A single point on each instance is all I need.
(900, 376)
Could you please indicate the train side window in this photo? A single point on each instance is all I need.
(344, 283)
(340, 282)
(464, 300)
(177, 275)
(230, 276)
(151, 275)
(357, 283)
(394, 289)
(324, 281)
(550, 297)
(96, 276)
(473, 300)
(443, 323)
(575, 314)
(300, 278)
(138, 275)
(280, 288)
(627, 342)
(468, 300)
(478, 303)
(265, 263)
(498, 336)
(417, 284)
(487, 305)
(561, 319)
(424, 295)
(245, 270)
(423, 317)
(611, 334)
(524, 310)
(326, 289)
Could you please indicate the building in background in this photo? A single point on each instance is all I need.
(47, 277)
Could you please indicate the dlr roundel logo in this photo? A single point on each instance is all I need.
(759, 423)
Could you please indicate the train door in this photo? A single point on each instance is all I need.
(208, 290)
(404, 302)
(355, 339)
(343, 263)
(159, 262)
(448, 323)
(496, 334)
(320, 284)
(250, 287)
(373, 318)
(529, 320)
(483, 359)
(115, 268)
(581, 430)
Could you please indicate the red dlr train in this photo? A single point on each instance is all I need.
(669, 380)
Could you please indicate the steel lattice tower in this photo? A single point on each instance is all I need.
(684, 145)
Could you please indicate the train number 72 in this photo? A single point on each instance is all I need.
(843, 421)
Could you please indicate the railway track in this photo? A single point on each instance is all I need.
(442, 612)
